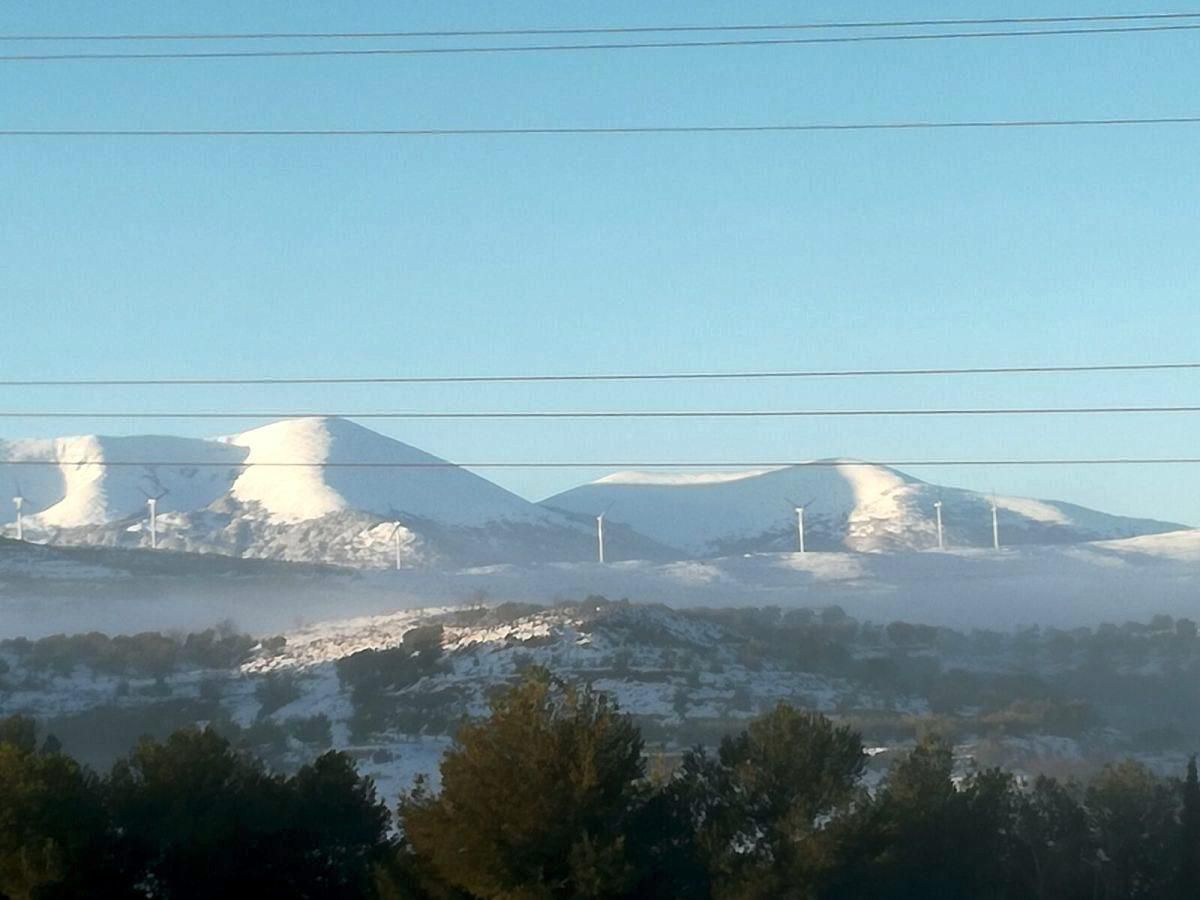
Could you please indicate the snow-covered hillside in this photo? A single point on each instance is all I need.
(306, 489)
(849, 506)
(391, 688)
(327, 490)
(344, 466)
(62, 494)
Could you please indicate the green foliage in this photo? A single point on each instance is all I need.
(148, 655)
(923, 836)
(1189, 834)
(19, 732)
(549, 798)
(100, 735)
(275, 691)
(53, 824)
(757, 809)
(370, 672)
(1054, 850)
(1134, 816)
(202, 821)
(316, 731)
(374, 676)
(535, 800)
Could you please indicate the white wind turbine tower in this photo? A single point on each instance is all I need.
(995, 525)
(396, 526)
(19, 503)
(937, 508)
(799, 508)
(152, 502)
(600, 532)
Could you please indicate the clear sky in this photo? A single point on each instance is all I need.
(593, 254)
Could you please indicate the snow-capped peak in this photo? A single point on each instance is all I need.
(300, 469)
(848, 505)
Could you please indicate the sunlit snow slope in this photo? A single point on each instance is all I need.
(847, 505)
(304, 489)
(65, 494)
(324, 489)
(348, 467)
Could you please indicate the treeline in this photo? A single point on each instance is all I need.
(831, 639)
(185, 818)
(373, 678)
(148, 654)
(551, 797)
(1141, 677)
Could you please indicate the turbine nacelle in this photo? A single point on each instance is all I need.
(152, 502)
(799, 508)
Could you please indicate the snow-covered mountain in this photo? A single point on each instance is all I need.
(848, 506)
(336, 499)
(347, 467)
(61, 494)
(330, 491)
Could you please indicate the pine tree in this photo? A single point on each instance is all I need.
(52, 823)
(1189, 851)
(199, 820)
(535, 800)
(1135, 815)
(760, 807)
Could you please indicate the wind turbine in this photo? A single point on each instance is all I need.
(600, 532)
(995, 525)
(937, 508)
(396, 526)
(152, 502)
(799, 508)
(19, 502)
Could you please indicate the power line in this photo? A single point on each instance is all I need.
(613, 376)
(620, 414)
(615, 29)
(608, 464)
(624, 45)
(592, 130)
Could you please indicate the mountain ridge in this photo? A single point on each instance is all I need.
(328, 490)
(848, 505)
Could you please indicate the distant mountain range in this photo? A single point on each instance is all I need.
(847, 506)
(225, 496)
(339, 505)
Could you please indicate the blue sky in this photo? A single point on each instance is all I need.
(587, 254)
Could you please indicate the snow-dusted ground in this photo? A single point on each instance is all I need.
(680, 674)
(619, 649)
